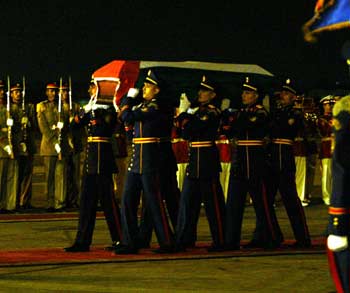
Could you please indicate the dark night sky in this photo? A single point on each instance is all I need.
(58, 38)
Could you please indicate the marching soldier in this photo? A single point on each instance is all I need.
(339, 219)
(24, 114)
(325, 124)
(200, 126)
(53, 125)
(8, 165)
(143, 171)
(100, 120)
(248, 129)
(286, 122)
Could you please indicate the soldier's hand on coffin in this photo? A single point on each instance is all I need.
(57, 148)
(24, 120)
(23, 147)
(337, 243)
(9, 122)
(192, 110)
(8, 150)
(184, 103)
(133, 92)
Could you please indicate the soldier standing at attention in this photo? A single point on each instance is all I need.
(248, 129)
(286, 122)
(24, 113)
(143, 171)
(75, 140)
(99, 165)
(200, 126)
(54, 147)
(325, 127)
(8, 175)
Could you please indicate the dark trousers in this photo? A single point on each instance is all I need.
(98, 187)
(25, 175)
(171, 195)
(148, 184)
(194, 192)
(284, 181)
(339, 265)
(73, 173)
(235, 205)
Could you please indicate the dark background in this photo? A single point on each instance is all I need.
(44, 41)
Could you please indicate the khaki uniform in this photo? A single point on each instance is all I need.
(8, 167)
(55, 165)
(24, 149)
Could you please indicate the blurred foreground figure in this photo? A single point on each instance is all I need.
(339, 210)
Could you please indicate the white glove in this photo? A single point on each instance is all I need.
(9, 122)
(24, 120)
(57, 148)
(184, 103)
(192, 110)
(337, 243)
(60, 125)
(23, 147)
(90, 104)
(133, 92)
(8, 150)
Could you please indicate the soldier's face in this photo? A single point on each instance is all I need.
(16, 96)
(205, 96)
(92, 90)
(249, 97)
(51, 94)
(149, 91)
(64, 95)
(327, 108)
(286, 98)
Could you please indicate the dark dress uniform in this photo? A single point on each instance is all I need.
(248, 130)
(25, 150)
(202, 183)
(339, 210)
(143, 175)
(97, 183)
(167, 179)
(285, 124)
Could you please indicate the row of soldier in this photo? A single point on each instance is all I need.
(255, 148)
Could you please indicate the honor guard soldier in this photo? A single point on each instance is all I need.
(248, 129)
(339, 209)
(325, 127)
(54, 147)
(143, 171)
(76, 137)
(8, 165)
(200, 126)
(167, 168)
(286, 122)
(99, 165)
(24, 114)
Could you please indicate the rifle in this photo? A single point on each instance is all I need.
(9, 127)
(59, 118)
(70, 94)
(24, 125)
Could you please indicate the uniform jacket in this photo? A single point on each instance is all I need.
(202, 126)
(286, 123)
(100, 125)
(4, 138)
(147, 120)
(339, 210)
(249, 125)
(25, 133)
(326, 132)
(47, 114)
